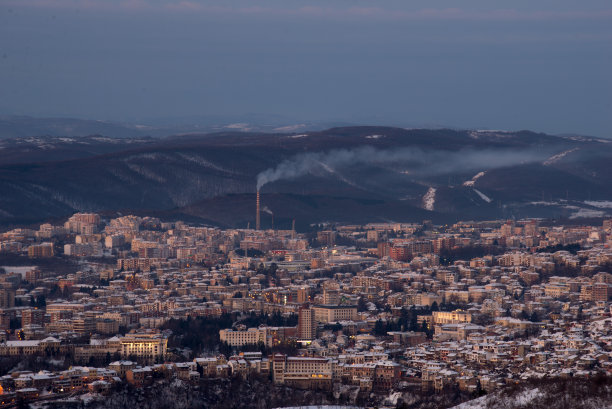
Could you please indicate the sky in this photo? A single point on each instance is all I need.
(541, 65)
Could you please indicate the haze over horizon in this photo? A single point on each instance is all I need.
(473, 64)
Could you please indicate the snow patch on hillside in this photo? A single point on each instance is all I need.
(491, 133)
(145, 172)
(334, 172)
(587, 213)
(602, 204)
(289, 128)
(242, 126)
(558, 156)
(578, 209)
(483, 196)
(206, 163)
(545, 203)
(22, 270)
(474, 179)
(374, 136)
(429, 199)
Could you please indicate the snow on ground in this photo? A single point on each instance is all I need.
(289, 128)
(429, 199)
(204, 162)
(580, 211)
(302, 135)
(522, 399)
(544, 203)
(19, 270)
(558, 156)
(602, 204)
(393, 398)
(177, 383)
(491, 133)
(483, 196)
(527, 397)
(474, 179)
(55, 362)
(242, 126)
(600, 325)
(89, 397)
(334, 172)
(375, 136)
(319, 407)
(479, 403)
(587, 213)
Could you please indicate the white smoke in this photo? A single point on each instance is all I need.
(266, 209)
(423, 162)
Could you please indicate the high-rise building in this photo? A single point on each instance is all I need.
(601, 291)
(83, 325)
(307, 327)
(83, 223)
(331, 296)
(326, 237)
(32, 316)
(33, 276)
(7, 298)
(531, 228)
(40, 250)
(507, 229)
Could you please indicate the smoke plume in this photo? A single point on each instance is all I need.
(416, 160)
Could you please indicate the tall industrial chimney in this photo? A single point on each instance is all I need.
(257, 220)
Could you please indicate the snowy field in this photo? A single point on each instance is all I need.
(18, 269)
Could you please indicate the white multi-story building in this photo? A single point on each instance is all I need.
(334, 313)
(146, 347)
(302, 370)
(243, 336)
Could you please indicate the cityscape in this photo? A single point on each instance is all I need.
(305, 204)
(370, 314)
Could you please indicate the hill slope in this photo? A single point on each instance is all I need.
(341, 174)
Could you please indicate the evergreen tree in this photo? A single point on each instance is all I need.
(379, 328)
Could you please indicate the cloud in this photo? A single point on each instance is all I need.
(308, 11)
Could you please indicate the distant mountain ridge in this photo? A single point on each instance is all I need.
(14, 126)
(25, 126)
(347, 174)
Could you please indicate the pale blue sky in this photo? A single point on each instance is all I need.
(540, 65)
